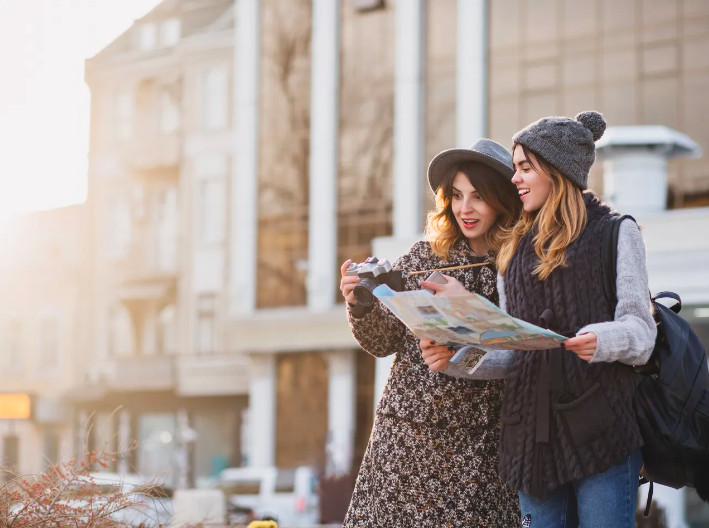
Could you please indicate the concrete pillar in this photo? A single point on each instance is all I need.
(150, 329)
(472, 75)
(262, 411)
(123, 465)
(82, 434)
(340, 410)
(409, 181)
(184, 439)
(324, 132)
(244, 188)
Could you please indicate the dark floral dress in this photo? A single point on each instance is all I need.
(432, 455)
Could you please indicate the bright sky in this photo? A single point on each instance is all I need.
(44, 101)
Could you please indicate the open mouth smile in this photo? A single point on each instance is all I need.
(469, 223)
(522, 192)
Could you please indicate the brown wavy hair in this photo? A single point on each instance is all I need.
(442, 229)
(559, 221)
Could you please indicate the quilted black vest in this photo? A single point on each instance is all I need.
(563, 418)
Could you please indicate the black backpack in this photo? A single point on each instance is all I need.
(672, 396)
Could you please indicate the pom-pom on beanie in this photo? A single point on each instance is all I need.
(566, 144)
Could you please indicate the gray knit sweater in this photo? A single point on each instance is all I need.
(629, 338)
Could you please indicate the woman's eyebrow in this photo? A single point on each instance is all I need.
(521, 162)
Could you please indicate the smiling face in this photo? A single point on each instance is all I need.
(473, 214)
(533, 184)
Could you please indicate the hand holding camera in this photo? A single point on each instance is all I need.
(367, 276)
(360, 279)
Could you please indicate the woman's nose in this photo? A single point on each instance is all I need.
(516, 177)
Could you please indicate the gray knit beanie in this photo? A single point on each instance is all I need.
(566, 144)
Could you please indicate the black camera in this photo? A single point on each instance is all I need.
(373, 272)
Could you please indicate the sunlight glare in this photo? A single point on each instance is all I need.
(44, 101)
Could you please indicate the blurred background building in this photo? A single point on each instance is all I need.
(43, 312)
(241, 150)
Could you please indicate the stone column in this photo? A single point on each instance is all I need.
(123, 465)
(262, 411)
(340, 410)
(244, 187)
(472, 75)
(185, 436)
(82, 434)
(409, 181)
(324, 133)
(149, 337)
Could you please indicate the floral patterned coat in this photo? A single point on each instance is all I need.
(432, 455)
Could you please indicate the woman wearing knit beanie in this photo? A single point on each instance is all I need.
(570, 442)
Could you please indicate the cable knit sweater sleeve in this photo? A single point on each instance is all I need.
(630, 338)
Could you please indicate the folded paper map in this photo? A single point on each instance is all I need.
(465, 320)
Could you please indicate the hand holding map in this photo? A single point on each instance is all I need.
(465, 320)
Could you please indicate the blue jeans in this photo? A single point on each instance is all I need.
(604, 500)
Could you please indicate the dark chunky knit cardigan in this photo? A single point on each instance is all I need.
(563, 418)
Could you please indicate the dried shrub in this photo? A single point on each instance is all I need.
(66, 496)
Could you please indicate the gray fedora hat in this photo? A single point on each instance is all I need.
(485, 151)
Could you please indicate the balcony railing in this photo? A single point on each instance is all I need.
(133, 373)
(212, 374)
(154, 153)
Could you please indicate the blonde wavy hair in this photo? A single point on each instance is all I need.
(442, 229)
(559, 222)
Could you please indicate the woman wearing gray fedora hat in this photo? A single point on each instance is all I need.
(431, 460)
(570, 440)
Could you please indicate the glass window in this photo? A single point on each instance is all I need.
(147, 37)
(120, 332)
(124, 115)
(169, 113)
(214, 98)
(157, 445)
(119, 224)
(166, 229)
(170, 32)
(11, 453)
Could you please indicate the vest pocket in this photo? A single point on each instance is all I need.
(588, 416)
(511, 432)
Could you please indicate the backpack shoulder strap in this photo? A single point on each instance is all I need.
(609, 254)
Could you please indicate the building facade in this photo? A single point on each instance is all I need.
(160, 375)
(43, 310)
(241, 150)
